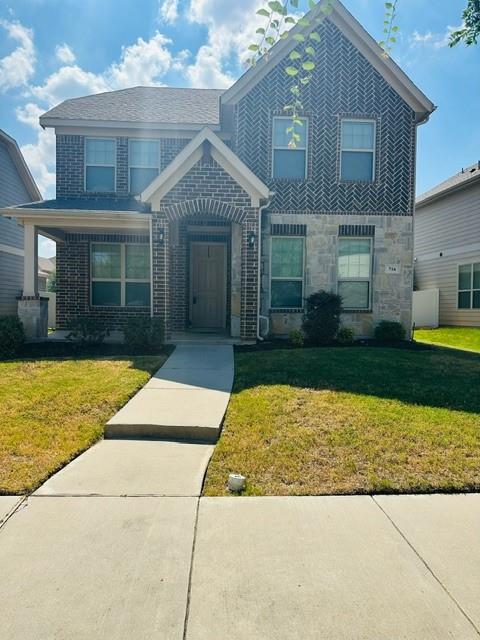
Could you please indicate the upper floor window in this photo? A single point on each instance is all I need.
(354, 272)
(357, 162)
(143, 162)
(287, 267)
(469, 286)
(100, 164)
(289, 162)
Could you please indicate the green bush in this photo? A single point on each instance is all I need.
(345, 335)
(388, 331)
(86, 330)
(12, 336)
(296, 338)
(144, 334)
(322, 317)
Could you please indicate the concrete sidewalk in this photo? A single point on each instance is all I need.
(342, 568)
(186, 399)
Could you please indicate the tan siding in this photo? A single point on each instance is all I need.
(450, 222)
(441, 273)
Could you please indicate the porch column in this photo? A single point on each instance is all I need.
(161, 269)
(30, 264)
(249, 314)
(32, 309)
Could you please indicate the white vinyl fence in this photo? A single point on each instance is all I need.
(425, 308)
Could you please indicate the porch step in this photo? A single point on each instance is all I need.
(185, 400)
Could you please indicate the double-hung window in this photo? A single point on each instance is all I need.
(357, 162)
(287, 267)
(469, 286)
(120, 275)
(143, 162)
(100, 165)
(289, 161)
(354, 272)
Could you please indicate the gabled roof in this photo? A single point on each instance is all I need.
(145, 105)
(21, 165)
(103, 203)
(188, 158)
(461, 180)
(362, 40)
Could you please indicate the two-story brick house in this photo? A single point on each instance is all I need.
(190, 204)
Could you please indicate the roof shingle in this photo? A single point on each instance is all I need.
(459, 179)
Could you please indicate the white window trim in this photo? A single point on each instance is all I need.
(302, 278)
(123, 280)
(99, 165)
(369, 279)
(135, 166)
(373, 150)
(471, 290)
(287, 148)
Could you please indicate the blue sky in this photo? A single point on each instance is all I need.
(54, 49)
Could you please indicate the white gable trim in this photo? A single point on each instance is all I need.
(188, 158)
(362, 40)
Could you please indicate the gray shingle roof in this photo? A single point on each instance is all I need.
(462, 178)
(153, 105)
(104, 203)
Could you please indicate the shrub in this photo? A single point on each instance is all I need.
(388, 331)
(87, 331)
(296, 338)
(144, 334)
(345, 335)
(322, 317)
(12, 336)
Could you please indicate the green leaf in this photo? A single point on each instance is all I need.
(289, 20)
(310, 50)
(295, 55)
(395, 28)
(326, 9)
(294, 3)
(253, 47)
(260, 30)
(392, 39)
(312, 4)
(306, 80)
(277, 7)
(291, 71)
(308, 66)
(299, 37)
(284, 35)
(263, 12)
(295, 90)
(388, 5)
(303, 22)
(315, 36)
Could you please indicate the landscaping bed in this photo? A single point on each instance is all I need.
(346, 420)
(53, 409)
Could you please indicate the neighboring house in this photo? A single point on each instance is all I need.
(46, 267)
(447, 246)
(16, 186)
(190, 205)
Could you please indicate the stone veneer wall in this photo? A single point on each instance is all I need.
(392, 245)
(73, 281)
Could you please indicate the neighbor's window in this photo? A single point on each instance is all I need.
(288, 161)
(120, 275)
(143, 162)
(100, 165)
(469, 286)
(287, 264)
(357, 162)
(354, 272)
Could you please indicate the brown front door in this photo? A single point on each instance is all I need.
(208, 285)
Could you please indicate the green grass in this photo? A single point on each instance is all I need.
(458, 337)
(351, 420)
(51, 410)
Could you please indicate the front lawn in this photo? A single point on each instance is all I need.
(459, 337)
(51, 410)
(351, 420)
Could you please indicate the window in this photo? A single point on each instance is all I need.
(289, 162)
(469, 286)
(143, 162)
(354, 272)
(357, 162)
(100, 165)
(120, 275)
(287, 264)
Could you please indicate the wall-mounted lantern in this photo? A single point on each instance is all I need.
(251, 239)
(161, 235)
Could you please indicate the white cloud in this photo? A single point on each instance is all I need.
(29, 114)
(17, 67)
(144, 62)
(40, 157)
(206, 72)
(68, 82)
(430, 39)
(46, 248)
(168, 11)
(64, 53)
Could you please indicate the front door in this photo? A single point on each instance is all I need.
(208, 285)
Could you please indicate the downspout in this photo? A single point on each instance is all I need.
(259, 280)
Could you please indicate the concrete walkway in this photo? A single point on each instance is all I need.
(186, 399)
(342, 568)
